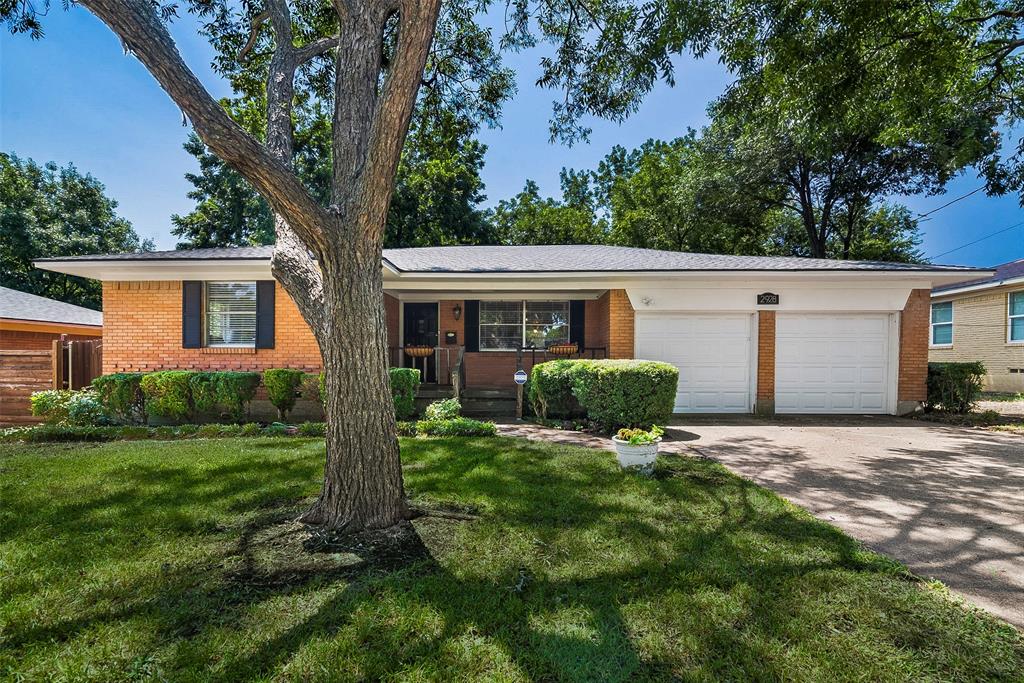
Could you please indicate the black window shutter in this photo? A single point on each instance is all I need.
(191, 314)
(471, 314)
(265, 314)
(577, 322)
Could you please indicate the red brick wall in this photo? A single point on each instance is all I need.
(913, 374)
(766, 356)
(620, 324)
(142, 332)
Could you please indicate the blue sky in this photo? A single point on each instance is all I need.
(75, 97)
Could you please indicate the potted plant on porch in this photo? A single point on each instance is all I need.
(638, 448)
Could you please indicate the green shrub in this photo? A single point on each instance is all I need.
(121, 395)
(250, 429)
(954, 387)
(51, 405)
(208, 431)
(84, 409)
(50, 433)
(283, 386)
(612, 393)
(167, 393)
(165, 432)
(185, 431)
(405, 428)
(135, 432)
(404, 382)
(226, 392)
(459, 426)
(447, 409)
(549, 391)
(277, 429)
(313, 429)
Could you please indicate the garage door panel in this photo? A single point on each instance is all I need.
(712, 352)
(831, 363)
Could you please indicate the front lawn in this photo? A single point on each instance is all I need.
(177, 561)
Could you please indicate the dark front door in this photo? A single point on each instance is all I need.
(420, 329)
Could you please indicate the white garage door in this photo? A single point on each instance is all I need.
(712, 353)
(831, 363)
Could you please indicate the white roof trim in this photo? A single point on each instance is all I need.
(979, 287)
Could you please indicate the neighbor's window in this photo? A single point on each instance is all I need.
(501, 325)
(1017, 316)
(230, 313)
(942, 324)
(508, 325)
(547, 322)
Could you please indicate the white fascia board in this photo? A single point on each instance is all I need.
(978, 287)
(142, 270)
(794, 296)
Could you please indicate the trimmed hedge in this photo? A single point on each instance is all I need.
(612, 393)
(283, 386)
(954, 387)
(404, 383)
(167, 393)
(121, 395)
(459, 426)
(180, 394)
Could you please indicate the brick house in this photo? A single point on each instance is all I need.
(765, 334)
(982, 320)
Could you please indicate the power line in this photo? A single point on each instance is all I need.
(980, 239)
(928, 213)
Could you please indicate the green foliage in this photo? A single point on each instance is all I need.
(121, 395)
(612, 393)
(640, 437)
(168, 393)
(549, 390)
(283, 386)
(459, 426)
(443, 410)
(226, 392)
(56, 211)
(404, 428)
(84, 410)
(51, 405)
(250, 429)
(404, 383)
(954, 387)
(313, 429)
(529, 219)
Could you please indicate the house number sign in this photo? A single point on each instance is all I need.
(767, 299)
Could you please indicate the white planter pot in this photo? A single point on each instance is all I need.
(636, 457)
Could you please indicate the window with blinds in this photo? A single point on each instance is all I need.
(230, 313)
(508, 325)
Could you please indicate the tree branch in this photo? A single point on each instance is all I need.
(138, 26)
(254, 33)
(316, 48)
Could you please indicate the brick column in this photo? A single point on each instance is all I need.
(913, 366)
(620, 324)
(765, 400)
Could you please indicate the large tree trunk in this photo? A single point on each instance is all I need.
(340, 294)
(363, 473)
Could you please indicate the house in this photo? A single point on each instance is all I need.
(748, 333)
(29, 324)
(982, 319)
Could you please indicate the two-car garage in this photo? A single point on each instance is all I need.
(823, 363)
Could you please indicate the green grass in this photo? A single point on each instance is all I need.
(176, 561)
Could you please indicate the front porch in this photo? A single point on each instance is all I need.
(471, 348)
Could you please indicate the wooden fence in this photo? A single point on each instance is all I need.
(68, 364)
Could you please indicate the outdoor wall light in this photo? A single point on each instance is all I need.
(457, 311)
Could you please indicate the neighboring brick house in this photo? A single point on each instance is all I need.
(983, 320)
(748, 333)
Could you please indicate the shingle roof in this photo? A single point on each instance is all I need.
(1006, 271)
(23, 306)
(552, 258)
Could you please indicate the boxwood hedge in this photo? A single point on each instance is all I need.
(612, 393)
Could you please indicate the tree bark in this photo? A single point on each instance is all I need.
(340, 293)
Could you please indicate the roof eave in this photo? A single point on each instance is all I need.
(981, 286)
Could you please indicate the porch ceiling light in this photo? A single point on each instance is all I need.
(457, 311)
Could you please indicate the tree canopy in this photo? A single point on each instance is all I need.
(50, 211)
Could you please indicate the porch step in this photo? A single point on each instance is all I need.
(476, 402)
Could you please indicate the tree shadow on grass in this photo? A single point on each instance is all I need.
(695, 573)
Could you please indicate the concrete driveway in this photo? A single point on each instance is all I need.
(946, 501)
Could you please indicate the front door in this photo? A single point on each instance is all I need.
(420, 329)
